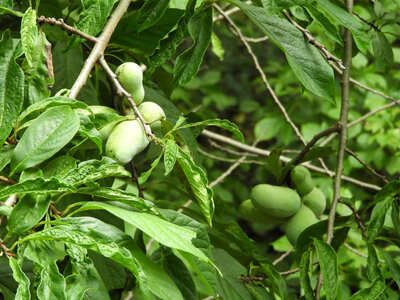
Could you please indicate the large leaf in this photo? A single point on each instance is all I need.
(170, 154)
(306, 274)
(92, 18)
(109, 241)
(29, 35)
(306, 61)
(11, 85)
(168, 46)
(5, 155)
(382, 51)
(372, 292)
(27, 213)
(276, 6)
(23, 281)
(329, 268)
(393, 265)
(94, 169)
(329, 29)
(347, 20)
(187, 64)
(151, 12)
(378, 218)
(47, 135)
(198, 183)
(36, 186)
(162, 231)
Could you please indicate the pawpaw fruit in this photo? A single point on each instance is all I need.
(126, 140)
(130, 76)
(301, 180)
(316, 201)
(299, 222)
(276, 201)
(152, 113)
(252, 214)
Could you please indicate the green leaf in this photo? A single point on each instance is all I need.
(225, 124)
(278, 284)
(168, 46)
(373, 270)
(5, 155)
(383, 52)
(59, 167)
(329, 268)
(394, 216)
(88, 130)
(29, 35)
(306, 61)
(92, 18)
(198, 183)
(329, 29)
(145, 175)
(47, 135)
(27, 213)
(93, 169)
(347, 20)
(164, 232)
(5, 210)
(170, 154)
(216, 46)
(84, 277)
(187, 64)
(306, 274)
(372, 292)
(117, 195)
(36, 108)
(109, 241)
(51, 282)
(151, 12)
(393, 265)
(11, 85)
(23, 292)
(276, 6)
(229, 285)
(9, 10)
(378, 219)
(36, 186)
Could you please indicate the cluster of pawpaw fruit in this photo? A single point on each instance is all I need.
(125, 139)
(297, 207)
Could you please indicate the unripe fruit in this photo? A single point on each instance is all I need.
(252, 214)
(126, 140)
(152, 113)
(315, 200)
(299, 222)
(301, 180)
(100, 109)
(276, 201)
(130, 76)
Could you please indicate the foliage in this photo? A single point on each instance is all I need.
(75, 224)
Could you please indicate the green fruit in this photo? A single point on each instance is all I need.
(299, 222)
(127, 139)
(152, 113)
(276, 201)
(301, 180)
(130, 76)
(250, 213)
(100, 109)
(315, 200)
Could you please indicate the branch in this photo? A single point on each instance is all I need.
(99, 47)
(282, 257)
(344, 112)
(68, 28)
(358, 219)
(371, 24)
(316, 138)
(263, 152)
(355, 251)
(328, 56)
(381, 177)
(7, 180)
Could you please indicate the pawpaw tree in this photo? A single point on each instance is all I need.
(182, 149)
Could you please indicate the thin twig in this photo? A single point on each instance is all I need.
(230, 160)
(315, 139)
(370, 169)
(7, 180)
(256, 40)
(371, 24)
(358, 219)
(263, 152)
(99, 47)
(68, 28)
(355, 251)
(283, 256)
(230, 151)
(313, 41)
(120, 91)
(135, 178)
